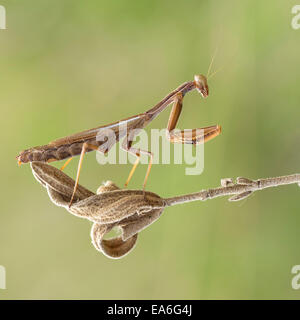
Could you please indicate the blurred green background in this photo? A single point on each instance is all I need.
(73, 65)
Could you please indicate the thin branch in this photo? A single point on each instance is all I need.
(239, 190)
(133, 210)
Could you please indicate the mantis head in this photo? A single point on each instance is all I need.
(201, 85)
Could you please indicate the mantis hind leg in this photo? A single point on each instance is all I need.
(84, 149)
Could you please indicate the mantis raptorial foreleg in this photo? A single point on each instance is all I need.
(194, 136)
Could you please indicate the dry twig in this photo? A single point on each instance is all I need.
(133, 210)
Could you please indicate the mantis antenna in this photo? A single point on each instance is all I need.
(211, 75)
(211, 62)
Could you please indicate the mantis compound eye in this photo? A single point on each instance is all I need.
(201, 85)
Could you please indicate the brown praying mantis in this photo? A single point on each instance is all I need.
(92, 139)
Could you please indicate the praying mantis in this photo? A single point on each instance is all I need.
(92, 139)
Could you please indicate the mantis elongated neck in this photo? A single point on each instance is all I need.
(158, 108)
